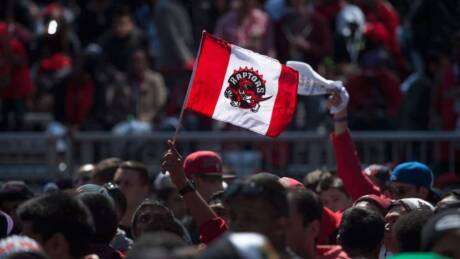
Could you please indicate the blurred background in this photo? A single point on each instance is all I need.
(84, 80)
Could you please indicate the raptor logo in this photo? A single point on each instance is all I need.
(246, 89)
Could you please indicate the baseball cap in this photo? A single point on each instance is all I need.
(414, 173)
(202, 163)
(15, 190)
(17, 244)
(93, 188)
(291, 183)
(382, 202)
(411, 204)
(438, 225)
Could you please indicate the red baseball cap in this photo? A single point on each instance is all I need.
(206, 163)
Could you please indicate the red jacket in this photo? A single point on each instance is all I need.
(212, 230)
(15, 81)
(349, 167)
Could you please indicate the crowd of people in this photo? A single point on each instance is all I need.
(112, 65)
(194, 209)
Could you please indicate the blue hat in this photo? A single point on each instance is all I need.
(413, 173)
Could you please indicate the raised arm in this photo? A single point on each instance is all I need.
(348, 164)
(211, 226)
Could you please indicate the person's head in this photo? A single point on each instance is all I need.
(119, 199)
(102, 209)
(20, 247)
(139, 62)
(411, 180)
(12, 194)
(305, 212)
(123, 23)
(333, 194)
(83, 175)
(407, 230)
(246, 200)
(244, 6)
(441, 234)
(379, 175)
(6, 224)
(204, 168)
(168, 193)
(60, 223)
(361, 232)
(105, 170)
(375, 203)
(153, 216)
(240, 246)
(450, 200)
(133, 179)
(312, 179)
(397, 209)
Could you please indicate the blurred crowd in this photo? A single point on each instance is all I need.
(125, 65)
(196, 209)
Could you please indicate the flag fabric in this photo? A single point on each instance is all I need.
(241, 87)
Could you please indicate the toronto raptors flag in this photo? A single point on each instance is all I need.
(241, 87)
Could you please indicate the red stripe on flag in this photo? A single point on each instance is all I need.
(209, 75)
(286, 101)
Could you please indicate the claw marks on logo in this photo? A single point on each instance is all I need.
(246, 89)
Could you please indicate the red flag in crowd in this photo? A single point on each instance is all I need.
(242, 87)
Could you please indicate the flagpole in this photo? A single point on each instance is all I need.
(181, 115)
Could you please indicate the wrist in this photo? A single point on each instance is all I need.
(181, 184)
(340, 119)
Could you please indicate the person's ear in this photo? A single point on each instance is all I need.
(56, 246)
(423, 192)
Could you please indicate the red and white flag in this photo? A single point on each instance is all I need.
(242, 87)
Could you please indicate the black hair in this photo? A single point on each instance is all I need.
(331, 182)
(308, 204)
(60, 213)
(102, 209)
(105, 170)
(118, 197)
(139, 168)
(27, 255)
(408, 230)
(174, 225)
(361, 231)
(164, 193)
(262, 186)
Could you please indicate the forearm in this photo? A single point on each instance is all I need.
(340, 122)
(198, 207)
